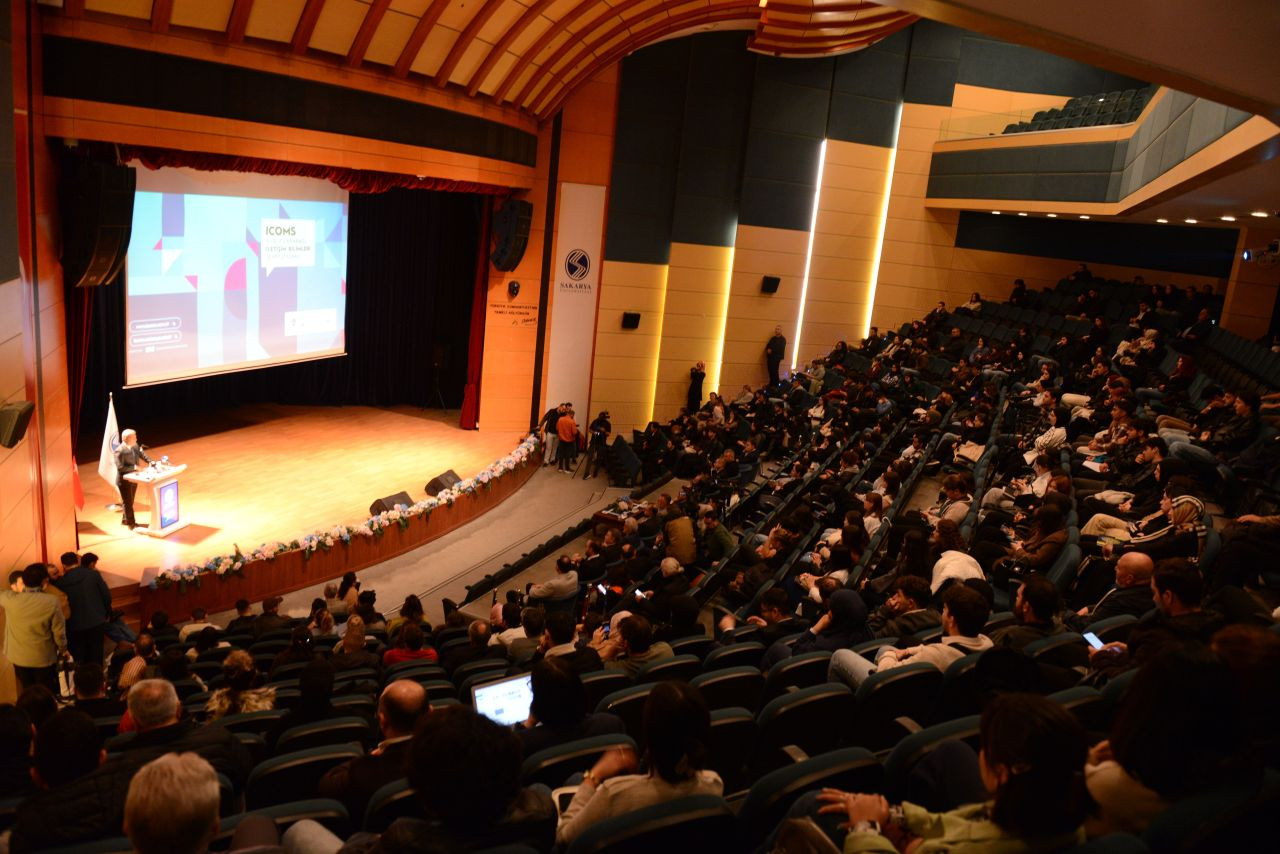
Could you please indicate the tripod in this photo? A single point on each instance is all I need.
(435, 387)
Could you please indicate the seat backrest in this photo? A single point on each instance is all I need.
(850, 769)
(1087, 704)
(628, 704)
(1065, 649)
(601, 683)
(910, 690)
(294, 776)
(396, 799)
(731, 743)
(814, 719)
(798, 671)
(698, 823)
(679, 667)
(344, 730)
(731, 686)
(551, 767)
(697, 646)
(257, 722)
(912, 748)
(734, 655)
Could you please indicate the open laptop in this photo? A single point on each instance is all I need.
(504, 701)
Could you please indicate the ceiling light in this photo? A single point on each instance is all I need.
(1022, 213)
(1259, 214)
(1191, 220)
(1052, 216)
(1084, 216)
(996, 213)
(1228, 218)
(1162, 220)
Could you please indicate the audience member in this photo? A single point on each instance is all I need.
(241, 690)
(558, 713)
(90, 601)
(35, 634)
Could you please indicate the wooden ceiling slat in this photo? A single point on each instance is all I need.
(464, 41)
(537, 47)
(161, 14)
(419, 37)
(611, 13)
(531, 14)
(238, 20)
(864, 22)
(369, 26)
(707, 15)
(306, 26)
(819, 47)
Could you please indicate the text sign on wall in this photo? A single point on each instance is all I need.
(575, 283)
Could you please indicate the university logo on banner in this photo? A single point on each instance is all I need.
(579, 236)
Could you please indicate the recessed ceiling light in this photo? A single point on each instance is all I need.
(996, 213)
(1052, 216)
(1259, 214)
(1022, 213)
(1084, 216)
(1228, 218)
(1162, 220)
(1191, 220)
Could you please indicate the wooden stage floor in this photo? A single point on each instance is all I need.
(264, 473)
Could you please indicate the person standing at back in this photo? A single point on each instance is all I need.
(567, 450)
(35, 634)
(90, 601)
(774, 352)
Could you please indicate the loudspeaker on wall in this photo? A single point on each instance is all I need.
(14, 418)
(382, 505)
(510, 233)
(97, 219)
(769, 284)
(631, 320)
(441, 482)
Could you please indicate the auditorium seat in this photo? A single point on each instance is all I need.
(731, 686)
(553, 766)
(329, 813)
(851, 769)
(343, 730)
(677, 668)
(698, 823)
(252, 722)
(1113, 629)
(437, 689)
(600, 683)
(814, 720)
(958, 694)
(1066, 649)
(294, 776)
(628, 704)
(798, 671)
(734, 655)
(912, 748)
(907, 691)
(484, 665)
(696, 646)
(731, 743)
(1088, 705)
(396, 799)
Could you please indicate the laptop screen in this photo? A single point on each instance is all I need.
(505, 701)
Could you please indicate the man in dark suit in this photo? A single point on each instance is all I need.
(477, 648)
(774, 351)
(128, 454)
(354, 782)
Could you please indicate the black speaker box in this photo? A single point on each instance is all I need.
(769, 284)
(97, 220)
(441, 482)
(14, 418)
(382, 505)
(511, 233)
(631, 320)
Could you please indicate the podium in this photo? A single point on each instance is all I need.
(163, 492)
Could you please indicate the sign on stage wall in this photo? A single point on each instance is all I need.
(576, 282)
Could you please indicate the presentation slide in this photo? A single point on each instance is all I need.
(229, 271)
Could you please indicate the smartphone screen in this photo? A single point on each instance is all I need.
(639, 594)
(604, 630)
(600, 587)
(1093, 640)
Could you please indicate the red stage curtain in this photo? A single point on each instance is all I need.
(352, 180)
(469, 417)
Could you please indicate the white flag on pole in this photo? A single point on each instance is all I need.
(110, 438)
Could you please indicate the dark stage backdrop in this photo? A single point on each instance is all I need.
(410, 284)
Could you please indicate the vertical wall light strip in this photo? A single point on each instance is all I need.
(808, 254)
(874, 279)
(657, 345)
(718, 366)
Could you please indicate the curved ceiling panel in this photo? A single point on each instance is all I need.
(531, 54)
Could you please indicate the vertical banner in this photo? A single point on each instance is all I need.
(575, 281)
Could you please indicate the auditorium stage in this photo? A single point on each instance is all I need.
(264, 473)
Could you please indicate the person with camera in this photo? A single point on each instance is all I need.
(599, 431)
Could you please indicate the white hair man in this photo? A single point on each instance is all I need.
(128, 456)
